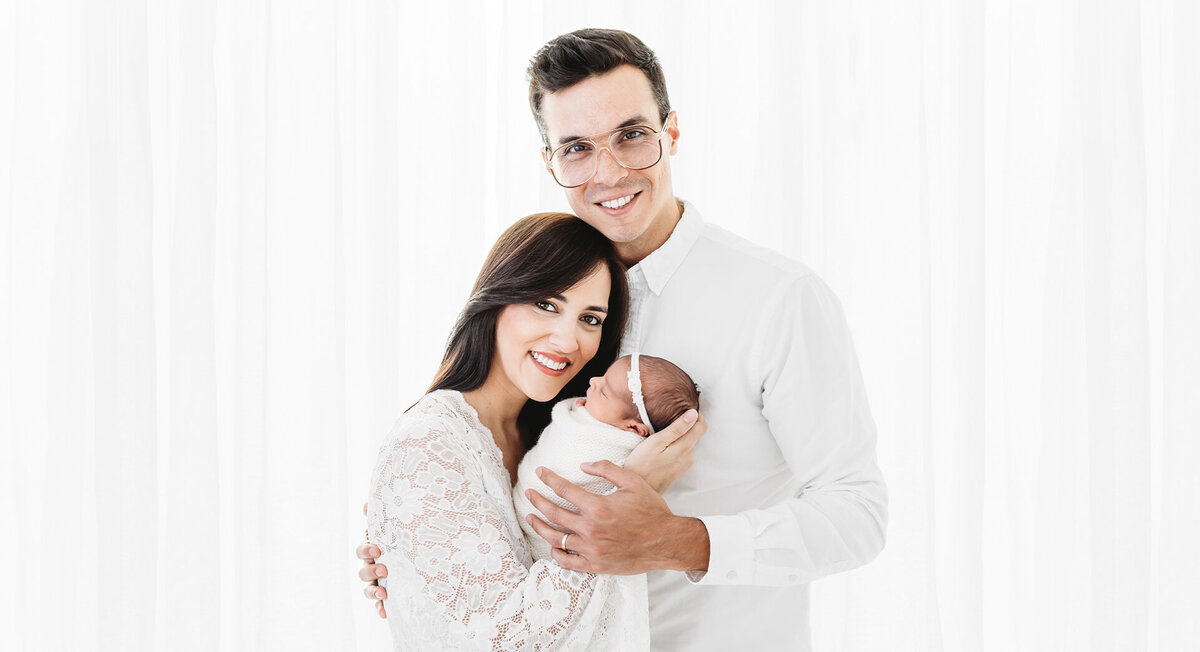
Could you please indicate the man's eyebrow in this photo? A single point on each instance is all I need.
(560, 298)
(635, 120)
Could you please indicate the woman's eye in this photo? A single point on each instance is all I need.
(592, 320)
(545, 305)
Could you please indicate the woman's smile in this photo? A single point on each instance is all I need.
(549, 364)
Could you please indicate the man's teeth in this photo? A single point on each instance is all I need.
(617, 203)
(547, 362)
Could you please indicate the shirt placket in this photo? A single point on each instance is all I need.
(638, 289)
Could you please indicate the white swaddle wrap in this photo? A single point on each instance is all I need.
(573, 437)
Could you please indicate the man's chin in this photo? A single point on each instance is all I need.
(618, 234)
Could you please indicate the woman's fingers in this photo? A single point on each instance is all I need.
(677, 429)
(665, 456)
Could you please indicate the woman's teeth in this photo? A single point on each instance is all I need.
(617, 203)
(547, 362)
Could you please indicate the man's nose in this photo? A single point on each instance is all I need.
(608, 171)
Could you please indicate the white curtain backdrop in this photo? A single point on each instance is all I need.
(235, 235)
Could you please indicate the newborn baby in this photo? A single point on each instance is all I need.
(636, 396)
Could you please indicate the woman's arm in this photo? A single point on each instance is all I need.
(430, 514)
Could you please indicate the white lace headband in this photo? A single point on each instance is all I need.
(635, 387)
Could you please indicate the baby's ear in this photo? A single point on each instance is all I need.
(636, 426)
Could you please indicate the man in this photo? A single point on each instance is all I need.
(784, 488)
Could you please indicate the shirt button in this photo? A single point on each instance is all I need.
(731, 575)
(793, 577)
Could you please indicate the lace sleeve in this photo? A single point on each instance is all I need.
(453, 563)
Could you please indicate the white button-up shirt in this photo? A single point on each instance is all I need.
(785, 480)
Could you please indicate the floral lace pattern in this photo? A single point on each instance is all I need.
(460, 575)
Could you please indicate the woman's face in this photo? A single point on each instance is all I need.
(542, 345)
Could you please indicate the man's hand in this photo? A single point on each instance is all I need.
(371, 572)
(627, 532)
(664, 456)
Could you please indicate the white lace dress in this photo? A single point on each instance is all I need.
(460, 575)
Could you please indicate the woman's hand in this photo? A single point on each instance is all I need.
(664, 456)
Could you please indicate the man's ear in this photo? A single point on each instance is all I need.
(672, 128)
(637, 427)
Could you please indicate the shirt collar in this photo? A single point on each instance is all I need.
(658, 267)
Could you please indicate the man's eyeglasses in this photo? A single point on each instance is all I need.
(634, 148)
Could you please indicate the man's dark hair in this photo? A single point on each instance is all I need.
(571, 58)
(538, 257)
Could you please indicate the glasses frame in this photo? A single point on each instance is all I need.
(606, 135)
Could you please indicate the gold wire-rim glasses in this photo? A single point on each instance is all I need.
(607, 138)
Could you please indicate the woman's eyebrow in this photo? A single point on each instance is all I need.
(562, 299)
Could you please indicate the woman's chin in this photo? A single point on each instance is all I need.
(545, 392)
(543, 397)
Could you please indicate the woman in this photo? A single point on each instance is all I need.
(546, 314)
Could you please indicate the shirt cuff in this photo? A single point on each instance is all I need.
(730, 552)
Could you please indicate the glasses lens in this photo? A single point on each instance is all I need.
(635, 148)
(574, 164)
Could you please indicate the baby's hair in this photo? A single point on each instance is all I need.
(668, 390)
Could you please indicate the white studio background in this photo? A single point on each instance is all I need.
(235, 235)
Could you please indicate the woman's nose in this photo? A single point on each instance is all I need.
(563, 337)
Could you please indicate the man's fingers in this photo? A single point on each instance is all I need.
(371, 572)
(379, 609)
(573, 494)
(569, 561)
(374, 592)
(367, 551)
(545, 530)
(364, 509)
(611, 472)
(551, 512)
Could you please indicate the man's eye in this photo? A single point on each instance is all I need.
(545, 305)
(634, 134)
(592, 320)
(576, 149)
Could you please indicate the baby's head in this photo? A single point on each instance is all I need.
(667, 390)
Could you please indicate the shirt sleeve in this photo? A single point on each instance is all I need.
(442, 535)
(816, 408)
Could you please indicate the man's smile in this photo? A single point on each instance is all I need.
(619, 205)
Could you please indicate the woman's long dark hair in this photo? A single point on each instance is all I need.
(536, 258)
